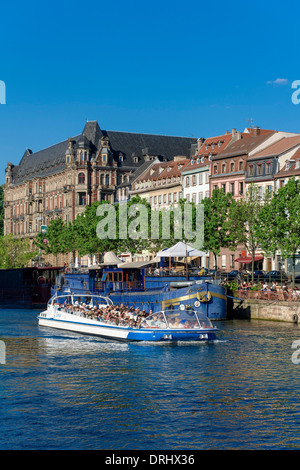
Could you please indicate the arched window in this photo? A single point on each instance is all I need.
(81, 178)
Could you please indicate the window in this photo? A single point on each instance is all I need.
(81, 178)
(215, 169)
(194, 198)
(241, 188)
(200, 196)
(232, 166)
(224, 187)
(232, 261)
(193, 180)
(232, 188)
(240, 165)
(200, 178)
(187, 181)
(251, 170)
(223, 261)
(259, 169)
(224, 168)
(268, 168)
(81, 199)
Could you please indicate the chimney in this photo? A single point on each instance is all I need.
(233, 132)
(256, 131)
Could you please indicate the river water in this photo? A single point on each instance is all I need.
(59, 390)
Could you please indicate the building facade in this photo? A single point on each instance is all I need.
(61, 180)
(195, 175)
(161, 184)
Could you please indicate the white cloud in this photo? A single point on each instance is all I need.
(278, 81)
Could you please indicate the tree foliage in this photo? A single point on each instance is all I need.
(217, 227)
(279, 222)
(14, 252)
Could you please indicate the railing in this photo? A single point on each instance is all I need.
(289, 294)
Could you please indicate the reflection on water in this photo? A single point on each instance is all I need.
(60, 390)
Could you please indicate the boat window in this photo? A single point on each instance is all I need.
(156, 320)
(187, 319)
(182, 319)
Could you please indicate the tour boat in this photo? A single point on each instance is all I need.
(79, 314)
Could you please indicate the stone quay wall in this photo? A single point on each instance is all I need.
(264, 310)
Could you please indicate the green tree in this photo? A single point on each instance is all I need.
(14, 252)
(1, 209)
(54, 241)
(243, 220)
(217, 230)
(279, 221)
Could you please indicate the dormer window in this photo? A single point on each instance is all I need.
(202, 159)
(192, 161)
(135, 159)
(121, 158)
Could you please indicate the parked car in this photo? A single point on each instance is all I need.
(234, 275)
(258, 275)
(297, 279)
(275, 276)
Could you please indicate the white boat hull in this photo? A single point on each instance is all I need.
(106, 331)
(149, 330)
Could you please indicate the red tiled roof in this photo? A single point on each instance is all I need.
(224, 139)
(243, 146)
(281, 146)
(292, 171)
(164, 170)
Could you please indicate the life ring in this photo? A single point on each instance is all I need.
(295, 318)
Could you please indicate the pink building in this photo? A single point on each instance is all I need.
(228, 171)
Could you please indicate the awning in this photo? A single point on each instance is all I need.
(181, 249)
(248, 259)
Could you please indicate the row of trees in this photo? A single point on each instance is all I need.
(271, 223)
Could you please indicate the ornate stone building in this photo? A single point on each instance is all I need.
(61, 180)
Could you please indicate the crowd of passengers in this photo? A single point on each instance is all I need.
(114, 314)
(123, 315)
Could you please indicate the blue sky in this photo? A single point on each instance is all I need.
(165, 67)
